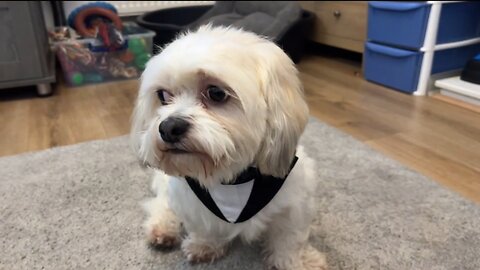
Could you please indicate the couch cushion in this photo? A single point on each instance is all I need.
(268, 18)
(225, 19)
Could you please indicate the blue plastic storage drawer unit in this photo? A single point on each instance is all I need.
(404, 24)
(392, 67)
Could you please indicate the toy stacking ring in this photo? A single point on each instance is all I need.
(81, 17)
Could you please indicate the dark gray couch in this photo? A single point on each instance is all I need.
(268, 18)
(284, 22)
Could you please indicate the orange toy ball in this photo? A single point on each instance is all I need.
(127, 57)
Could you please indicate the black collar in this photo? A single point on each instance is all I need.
(265, 187)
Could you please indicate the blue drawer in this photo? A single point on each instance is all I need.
(404, 24)
(459, 21)
(392, 67)
(398, 24)
(399, 69)
(452, 59)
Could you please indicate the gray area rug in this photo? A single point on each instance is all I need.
(78, 207)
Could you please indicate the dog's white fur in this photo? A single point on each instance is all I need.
(260, 124)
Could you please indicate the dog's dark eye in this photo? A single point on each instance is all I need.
(216, 94)
(164, 96)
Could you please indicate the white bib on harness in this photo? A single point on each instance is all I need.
(231, 199)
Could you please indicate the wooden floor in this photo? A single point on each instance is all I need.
(436, 138)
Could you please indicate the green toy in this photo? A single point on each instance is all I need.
(141, 60)
(136, 46)
(77, 78)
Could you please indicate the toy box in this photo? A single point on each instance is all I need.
(87, 61)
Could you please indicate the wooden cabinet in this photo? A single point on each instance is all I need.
(340, 24)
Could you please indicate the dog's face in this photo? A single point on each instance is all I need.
(216, 101)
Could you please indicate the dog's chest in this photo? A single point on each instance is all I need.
(231, 199)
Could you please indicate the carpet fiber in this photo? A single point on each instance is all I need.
(78, 207)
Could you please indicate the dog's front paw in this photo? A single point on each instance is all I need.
(198, 252)
(287, 263)
(307, 259)
(313, 259)
(160, 238)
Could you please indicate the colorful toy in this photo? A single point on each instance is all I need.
(118, 69)
(98, 20)
(102, 64)
(130, 72)
(75, 52)
(141, 60)
(59, 34)
(127, 56)
(77, 78)
(136, 45)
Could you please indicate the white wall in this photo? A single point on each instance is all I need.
(68, 6)
(129, 8)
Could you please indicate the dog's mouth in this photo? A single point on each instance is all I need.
(177, 151)
(184, 152)
(180, 151)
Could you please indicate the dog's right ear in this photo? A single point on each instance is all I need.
(287, 110)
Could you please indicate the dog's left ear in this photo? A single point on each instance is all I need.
(287, 110)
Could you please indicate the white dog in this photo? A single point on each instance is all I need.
(219, 115)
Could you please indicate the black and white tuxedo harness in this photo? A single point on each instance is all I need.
(243, 198)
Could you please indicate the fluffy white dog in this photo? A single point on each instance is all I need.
(218, 116)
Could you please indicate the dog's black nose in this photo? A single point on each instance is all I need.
(173, 129)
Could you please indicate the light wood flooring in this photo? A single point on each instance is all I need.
(438, 139)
